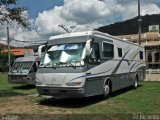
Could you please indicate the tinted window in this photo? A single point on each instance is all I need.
(119, 52)
(108, 50)
(149, 58)
(141, 55)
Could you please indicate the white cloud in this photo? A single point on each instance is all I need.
(89, 14)
(82, 15)
(150, 9)
(19, 33)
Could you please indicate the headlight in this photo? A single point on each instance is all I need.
(73, 83)
(39, 83)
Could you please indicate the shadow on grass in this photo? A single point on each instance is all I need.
(9, 93)
(70, 102)
(79, 102)
(124, 90)
(24, 87)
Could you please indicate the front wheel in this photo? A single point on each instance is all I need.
(106, 90)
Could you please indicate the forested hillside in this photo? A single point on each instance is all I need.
(131, 26)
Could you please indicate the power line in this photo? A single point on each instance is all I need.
(2, 40)
(28, 40)
(31, 42)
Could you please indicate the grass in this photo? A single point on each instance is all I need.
(7, 89)
(121, 104)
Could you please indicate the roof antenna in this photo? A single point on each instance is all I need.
(64, 28)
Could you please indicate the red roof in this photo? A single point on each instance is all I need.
(18, 51)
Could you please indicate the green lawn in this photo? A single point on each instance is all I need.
(144, 100)
(7, 89)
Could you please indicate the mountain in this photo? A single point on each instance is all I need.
(131, 26)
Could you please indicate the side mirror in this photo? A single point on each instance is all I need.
(88, 47)
(92, 59)
(40, 51)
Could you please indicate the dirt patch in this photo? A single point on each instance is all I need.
(31, 105)
(18, 104)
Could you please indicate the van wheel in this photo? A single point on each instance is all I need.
(106, 90)
(135, 85)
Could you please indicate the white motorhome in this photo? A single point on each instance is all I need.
(24, 69)
(89, 63)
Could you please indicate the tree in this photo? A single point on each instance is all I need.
(8, 14)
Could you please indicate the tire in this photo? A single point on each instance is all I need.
(135, 85)
(106, 90)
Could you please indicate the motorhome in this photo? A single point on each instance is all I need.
(24, 69)
(89, 63)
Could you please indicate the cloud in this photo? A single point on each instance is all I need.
(89, 14)
(19, 34)
(83, 15)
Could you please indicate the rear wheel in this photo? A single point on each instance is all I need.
(135, 85)
(106, 90)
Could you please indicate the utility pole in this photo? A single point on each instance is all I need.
(139, 23)
(8, 44)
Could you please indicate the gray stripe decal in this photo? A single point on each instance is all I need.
(91, 75)
(132, 66)
(118, 65)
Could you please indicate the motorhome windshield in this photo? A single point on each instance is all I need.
(21, 67)
(15, 67)
(25, 67)
(69, 54)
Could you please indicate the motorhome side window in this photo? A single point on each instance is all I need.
(141, 55)
(108, 50)
(95, 55)
(119, 52)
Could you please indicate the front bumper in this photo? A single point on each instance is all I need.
(61, 91)
(21, 80)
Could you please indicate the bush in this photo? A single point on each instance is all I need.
(4, 62)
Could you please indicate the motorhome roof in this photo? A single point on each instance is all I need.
(85, 33)
(72, 35)
(26, 58)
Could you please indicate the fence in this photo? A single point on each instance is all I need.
(152, 75)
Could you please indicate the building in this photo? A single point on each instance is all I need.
(19, 52)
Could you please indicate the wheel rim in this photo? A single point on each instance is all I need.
(135, 84)
(106, 90)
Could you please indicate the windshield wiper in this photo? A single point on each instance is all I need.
(47, 64)
(54, 66)
(73, 65)
(70, 64)
(50, 65)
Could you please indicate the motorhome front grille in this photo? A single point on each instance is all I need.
(17, 77)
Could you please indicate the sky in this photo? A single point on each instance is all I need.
(37, 6)
(76, 15)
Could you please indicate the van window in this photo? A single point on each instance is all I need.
(108, 50)
(119, 52)
(141, 55)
